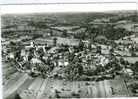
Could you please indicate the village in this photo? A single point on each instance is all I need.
(61, 56)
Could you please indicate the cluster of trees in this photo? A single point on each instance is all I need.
(73, 71)
(132, 18)
(107, 30)
(135, 67)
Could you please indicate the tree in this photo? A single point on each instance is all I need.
(54, 41)
(99, 49)
(17, 96)
(135, 66)
(51, 32)
(73, 71)
(64, 34)
(81, 45)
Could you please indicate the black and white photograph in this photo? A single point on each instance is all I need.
(69, 51)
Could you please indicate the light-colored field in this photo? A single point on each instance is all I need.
(131, 59)
(68, 41)
(40, 88)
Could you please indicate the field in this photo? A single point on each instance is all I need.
(131, 59)
(39, 88)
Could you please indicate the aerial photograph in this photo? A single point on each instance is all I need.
(70, 55)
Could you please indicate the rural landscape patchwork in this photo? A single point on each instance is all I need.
(70, 55)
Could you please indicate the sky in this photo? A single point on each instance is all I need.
(20, 9)
(59, 1)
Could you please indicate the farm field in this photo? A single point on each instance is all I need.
(39, 88)
(131, 59)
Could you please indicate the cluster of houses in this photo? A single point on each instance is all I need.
(58, 48)
(56, 57)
